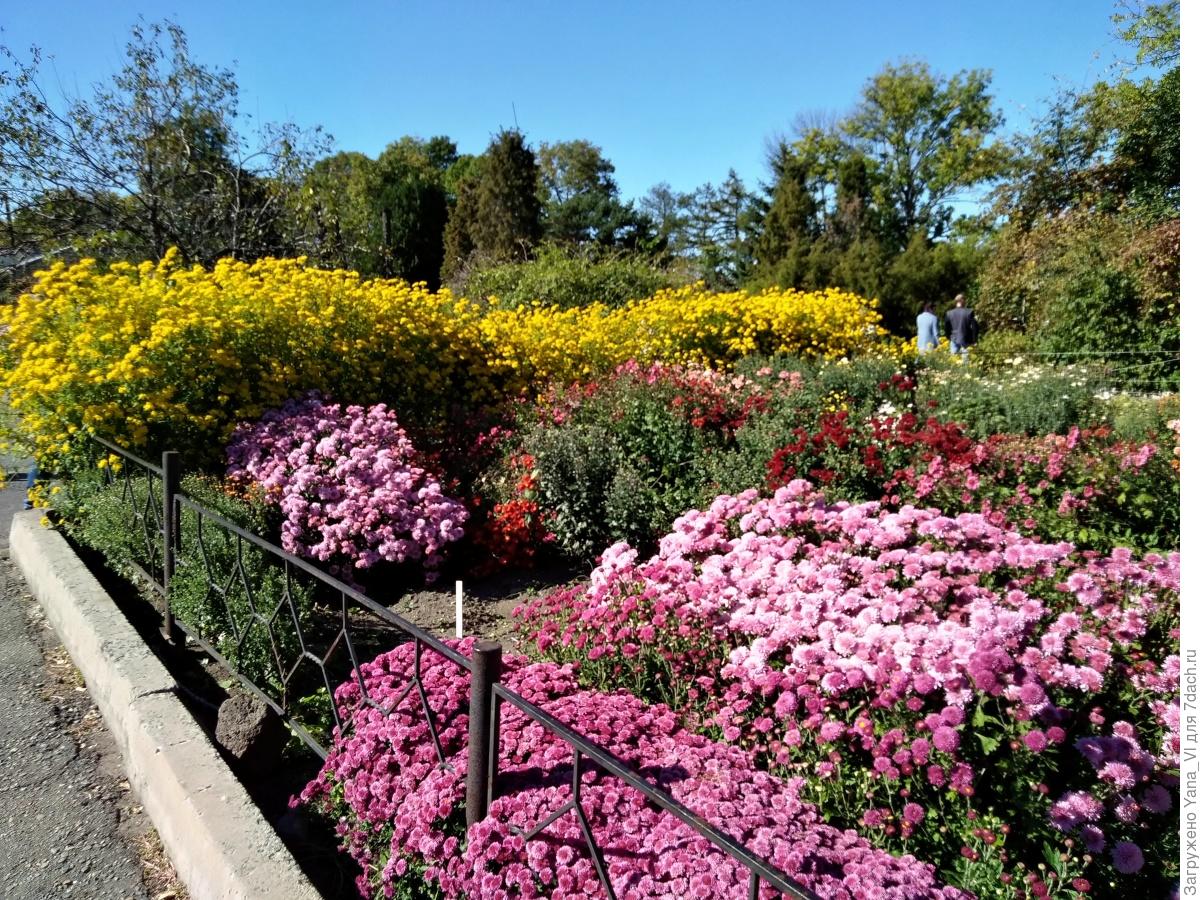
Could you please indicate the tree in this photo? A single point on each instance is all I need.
(508, 215)
(497, 213)
(791, 225)
(931, 138)
(382, 217)
(723, 226)
(1087, 257)
(409, 198)
(666, 215)
(580, 200)
(151, 160)
(335, 215)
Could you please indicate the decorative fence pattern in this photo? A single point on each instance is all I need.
(178, 531)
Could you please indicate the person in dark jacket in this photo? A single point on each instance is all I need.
(961, 327)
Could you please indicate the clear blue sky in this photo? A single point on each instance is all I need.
(676, 92)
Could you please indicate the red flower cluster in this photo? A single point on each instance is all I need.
(509, 534)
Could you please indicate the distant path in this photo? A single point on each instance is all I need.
(64, 806)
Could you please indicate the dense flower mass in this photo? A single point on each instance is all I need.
(347, 484)
(163, 354)
(399, 810)
(889, 655)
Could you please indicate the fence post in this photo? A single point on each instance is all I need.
(170, 484)
(482, 739)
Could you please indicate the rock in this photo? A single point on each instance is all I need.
(251, 732)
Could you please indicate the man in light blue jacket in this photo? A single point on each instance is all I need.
(927, 330)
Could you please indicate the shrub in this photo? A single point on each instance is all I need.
(557, 277)
(893, 658)
(619, 458)
(347, 485)
(401, 813)
(211, 586)
(1084, 487)
(1136, 418)
(100, 515)
(1094, 281)
(1022, 398)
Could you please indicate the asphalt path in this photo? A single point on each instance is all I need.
(67, 819)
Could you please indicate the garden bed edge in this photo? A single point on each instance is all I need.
(220, 844)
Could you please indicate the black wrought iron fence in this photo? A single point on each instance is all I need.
(146, 490)
(295, 641)
(280, 634)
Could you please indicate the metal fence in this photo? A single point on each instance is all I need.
(175, 530)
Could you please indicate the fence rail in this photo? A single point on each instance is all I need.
(174, 528)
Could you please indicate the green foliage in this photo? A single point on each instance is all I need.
(928, 138)
(861, 387)
(101, 516)
(497, 214)
(723, 223)
(383, 217)
(998, 348)
(579, 197)
(1088, 257)
(866, 203)
(569, 278)
(1100, 284)
(621, 466)
(1020, 397)
(1137, 418)
(666, 215)
(928, 272)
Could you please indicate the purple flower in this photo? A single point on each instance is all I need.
(1093, 838)
(945, 739)
(1119, 774)
(1127, 857)
(1156, 799)
(1035, 740)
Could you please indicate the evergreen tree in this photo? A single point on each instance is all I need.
(458, 244)
(506, 221)
(580, 200)
(790, 226)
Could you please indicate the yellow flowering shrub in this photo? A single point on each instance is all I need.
(160, 354)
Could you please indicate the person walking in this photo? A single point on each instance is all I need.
(962, 327)
(927, 329)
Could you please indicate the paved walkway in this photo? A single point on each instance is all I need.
(67, 818)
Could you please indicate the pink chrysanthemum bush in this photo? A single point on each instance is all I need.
(401, 815)
(347, 483)
(954, 689)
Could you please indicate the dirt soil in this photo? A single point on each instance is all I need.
(487, 603)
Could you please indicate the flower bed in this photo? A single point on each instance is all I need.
(954, 688)
(401, 816)
(162, 355)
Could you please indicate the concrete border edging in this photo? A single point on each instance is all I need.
(218, 840)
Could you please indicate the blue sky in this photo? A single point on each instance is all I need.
(675, 92)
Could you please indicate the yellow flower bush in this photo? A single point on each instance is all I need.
(160, 354)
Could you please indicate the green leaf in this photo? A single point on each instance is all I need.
(988, 745)
(979, 719)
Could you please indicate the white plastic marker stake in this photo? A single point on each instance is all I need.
(458, 609)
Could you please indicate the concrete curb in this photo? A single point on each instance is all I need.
(221, 846)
